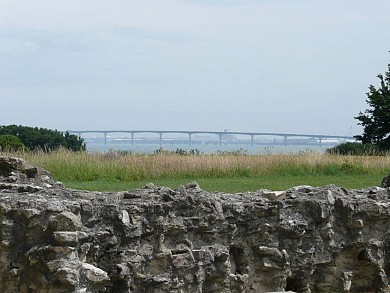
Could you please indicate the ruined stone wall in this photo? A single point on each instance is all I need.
(187, 240)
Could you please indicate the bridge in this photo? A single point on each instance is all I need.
(220, 134)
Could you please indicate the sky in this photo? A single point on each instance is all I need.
(239, 65)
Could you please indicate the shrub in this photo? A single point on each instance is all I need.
(10, 142)
(180, 152)
(356, 149)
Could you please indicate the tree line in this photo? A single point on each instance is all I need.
(34, 138)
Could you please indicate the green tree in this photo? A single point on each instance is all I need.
(376, 119)
(10, 142)
(44, 139)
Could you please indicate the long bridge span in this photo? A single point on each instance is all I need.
(220, 134)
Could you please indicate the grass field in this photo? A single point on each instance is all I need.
(219, 172)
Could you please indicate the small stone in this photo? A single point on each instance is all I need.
(126, 218)
(270, 264)
(112, 240)
(273, 195)
(82, 235)
(192, 185)
(330, 234)
(56, 264)
(181, 190)
(358, 224)
(83, 251)
(303, 188)
(54, 206)
(167, 197)
(330, 197)
(95, 274)
(65, 237)
(12, 179)
(14, 272)
(62, 251)
(270, 251)
(32, 260)
(131, 195)
(28, 213)
(347, 280)
(31, 172)
(65, 221)
(121, 271)
(149, 186)
(67, 276)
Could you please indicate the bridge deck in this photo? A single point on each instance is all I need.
(220, 134)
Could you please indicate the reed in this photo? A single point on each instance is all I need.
(71, 166)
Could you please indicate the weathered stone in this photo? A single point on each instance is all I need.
(9, 165)
(28, 213)
(192, 185)
(386, 182)
(95, 274)
(159, 240)
(31, 172)
(67, 276)
(125, 218)
(358, 224)
(272, 195)
(15, 170)
(65, 237)
(56, 264)
(65, 221)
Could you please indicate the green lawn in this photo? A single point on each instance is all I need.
(238, 184)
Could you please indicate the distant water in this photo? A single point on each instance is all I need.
(208, 148)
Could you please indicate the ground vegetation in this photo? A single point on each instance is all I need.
(215, 172)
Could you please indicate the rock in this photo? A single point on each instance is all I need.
(192, 185)
(150, 186)
(386, 182)
(272, 195)
(65, 237)
(65, 221)
(305, 239)
(94, 274)
(125, 218)
(15, 170)
(9, 165)
(67, 276)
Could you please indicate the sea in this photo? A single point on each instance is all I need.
(260, 149)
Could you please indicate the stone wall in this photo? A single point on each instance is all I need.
(156, 239)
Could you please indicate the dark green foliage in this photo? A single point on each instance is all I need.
(376, 119)
(181, 152)
(10, 142)
(240, 152)
(356, 149)
(35, 138)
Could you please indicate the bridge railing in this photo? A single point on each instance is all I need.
(219, 134)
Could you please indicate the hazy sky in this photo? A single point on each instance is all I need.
(243, 65)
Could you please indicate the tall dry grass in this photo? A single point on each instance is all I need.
(83, 166)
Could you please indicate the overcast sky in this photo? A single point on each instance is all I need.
(299, 66)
